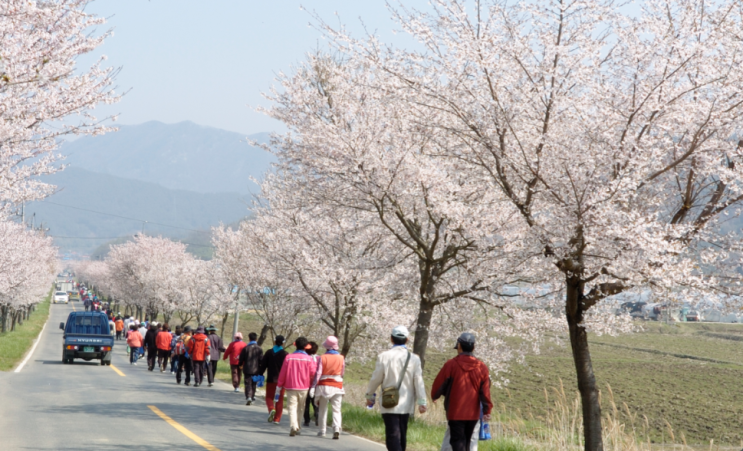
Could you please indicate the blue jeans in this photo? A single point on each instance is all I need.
(134, 355)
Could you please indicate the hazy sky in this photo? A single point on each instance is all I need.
(209, 61)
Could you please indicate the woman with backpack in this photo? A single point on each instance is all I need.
(173, 354)
(184, 358)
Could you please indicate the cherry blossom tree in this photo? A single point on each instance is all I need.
(614, 136)
(27, 269)
(44, 94)
(356, 148)
(266, 289)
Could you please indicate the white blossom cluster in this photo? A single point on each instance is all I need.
(155, 275)
(44, 95)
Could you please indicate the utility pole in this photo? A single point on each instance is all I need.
(237, 312)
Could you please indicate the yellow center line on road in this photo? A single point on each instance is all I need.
(73, 306)
(117, 371)
(183, 430)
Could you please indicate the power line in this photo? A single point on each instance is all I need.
(117, 237)
(122, 217)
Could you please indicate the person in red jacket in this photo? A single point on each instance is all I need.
(163, 340)
(198, 348)
(465, 382)
(233, 352)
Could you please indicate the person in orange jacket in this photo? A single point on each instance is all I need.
(119, 327)
(198, 348)
(163, 340)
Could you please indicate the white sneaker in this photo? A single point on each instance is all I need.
(237, 390)
(321, 434)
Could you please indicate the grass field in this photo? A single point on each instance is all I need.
(686, 379)
(13, 345)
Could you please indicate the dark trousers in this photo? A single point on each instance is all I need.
(461, 434)
(184, 364)
(396, 430)
(118, 335)
(310, 402)
(199, 366)
(162, 358)
(174, 363)
(237, 375)
(250, 387)
(211, 370)
(151, 358)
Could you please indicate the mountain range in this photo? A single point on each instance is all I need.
(183, 156)
(174, 180)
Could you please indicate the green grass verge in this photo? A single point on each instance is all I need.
(421, 436)
(14, 345)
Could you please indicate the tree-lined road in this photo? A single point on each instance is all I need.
(85, 406)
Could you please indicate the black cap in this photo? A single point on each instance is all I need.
(466, 338)
(187, 329)
(279, 340)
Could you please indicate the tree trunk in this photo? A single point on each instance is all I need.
(583, 367)
(4, 318)
(224, 321)
(422, 327)
(263, 335)
(12, 324)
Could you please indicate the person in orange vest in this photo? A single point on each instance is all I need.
(328, 386)
(198, 348)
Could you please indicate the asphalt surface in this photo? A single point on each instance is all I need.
(86, 406)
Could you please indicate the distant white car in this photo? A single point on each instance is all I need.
(61, 297)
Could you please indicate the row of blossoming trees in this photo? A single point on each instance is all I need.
(514, 172)
(154, 277)
(44, 95)
(524, 160)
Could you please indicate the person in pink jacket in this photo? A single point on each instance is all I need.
(296, 377)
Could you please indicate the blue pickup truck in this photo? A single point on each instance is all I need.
(87, 336)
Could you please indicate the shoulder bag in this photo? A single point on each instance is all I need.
(391, 395)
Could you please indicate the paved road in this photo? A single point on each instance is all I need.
(85, 406)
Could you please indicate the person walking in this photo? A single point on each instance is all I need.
(150, 342)
(134, 341)
(465, 383)
(250, 359)
(174, 360)
(119, 327)
(216, 348)
(184, 357)
(198, 347)
(271, 364)
(398, 371)
(310, 402)
(233, 352)
(296, 377)
(163, 341)
(327, 388)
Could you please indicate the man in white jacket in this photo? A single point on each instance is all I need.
(388, 373)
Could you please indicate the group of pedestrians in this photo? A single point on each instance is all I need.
(307, 382)
(193, 353)
(463, 381)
